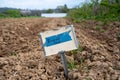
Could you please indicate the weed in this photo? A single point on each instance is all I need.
(76, 21)
(82, 64)
(83, 68)
(13, 53)
(98, 28)
(80, 49)
(86, 70)
(73, 52)
(116, 67)
(88, 78)
(71, 65)
(118, 36)
(102, 30)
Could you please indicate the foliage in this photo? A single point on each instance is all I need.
(49, 11)
(118, 36)
(15, 13)
(80, 49)
(86, 70)
(62, 9)
(99, 28)
(103, 10)
(12, 13)
(2, 15)
(88, 78)
(71, 65)
(80, 13)
(13, 53)
(102, 30)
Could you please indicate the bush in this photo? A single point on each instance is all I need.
(2, 15)
(13, 13)
(103, 11)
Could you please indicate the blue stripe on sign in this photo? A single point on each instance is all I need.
(57, 39)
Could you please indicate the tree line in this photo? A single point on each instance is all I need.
(16, 13)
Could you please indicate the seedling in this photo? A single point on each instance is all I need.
(71, 65)
(80, 49)
(102, 30)
(13, 53)
(73, 52)
(98, 28)
(118, 36)
(86, 70)
(88, 78)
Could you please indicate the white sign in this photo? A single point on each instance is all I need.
(59, 39)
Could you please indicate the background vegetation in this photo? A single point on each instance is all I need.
(97, 9)
(16, 13)
(10, 13)
(105, 10)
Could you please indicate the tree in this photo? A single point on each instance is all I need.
(49, 11)
(62, 9)
(96, 6)
(12, 13)
(65, 9)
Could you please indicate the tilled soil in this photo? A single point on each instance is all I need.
(21, 54)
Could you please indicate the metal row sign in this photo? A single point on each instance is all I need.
(59, 39)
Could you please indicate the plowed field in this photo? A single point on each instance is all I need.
(21, 54)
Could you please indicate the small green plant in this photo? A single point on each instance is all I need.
(102, 30)
(86, 70)
(71, 65)
(116, 67)
(73, 52)
(105, 21)
(82, 61)
(118, 36)
(98, 28)
(88, 78)
(80, 49)
(13, 53)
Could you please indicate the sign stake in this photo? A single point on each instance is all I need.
(64, 62)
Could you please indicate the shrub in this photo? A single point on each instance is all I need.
(103, 11)
(12, 13)
(2, 15)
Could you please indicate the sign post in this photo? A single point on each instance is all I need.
(59, 40)
(64, 62)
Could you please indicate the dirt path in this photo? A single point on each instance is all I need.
(22, 56)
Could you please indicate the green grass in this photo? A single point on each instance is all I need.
(31, 17)
(71, 65)
(80, 49)
(102, 30)
(86, 70)
(13, 54)
(86, 12)
(99, 28)
(88, 78)
(118, 36)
